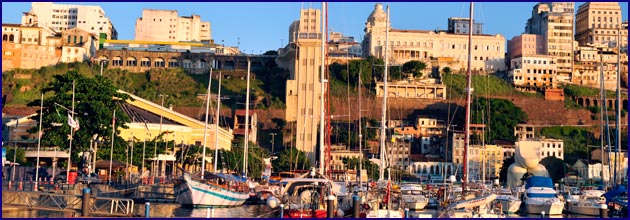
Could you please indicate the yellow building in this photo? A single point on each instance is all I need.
(181, 128)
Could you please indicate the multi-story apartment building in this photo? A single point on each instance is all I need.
(554, 21)
(526, 44)
(533, 72)
(343, 46)
(338, 154)
(460, 26)
(479, 156)
(61, 17)
(302, 57)
(405, 45)
(168, 26)
(590, 62)
(597, 23)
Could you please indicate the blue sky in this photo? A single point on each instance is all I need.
(264, 26)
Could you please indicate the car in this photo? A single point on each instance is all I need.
(81, 177)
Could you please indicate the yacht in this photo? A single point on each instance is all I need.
(413, 197)
(540, 196)
(589, 203)
(509, 200)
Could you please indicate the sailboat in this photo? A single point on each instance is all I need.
(211, 188)
(387, 211)
(463, 207)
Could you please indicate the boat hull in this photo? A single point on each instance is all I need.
(191, 192)
(416, 205)
(585, 210)
(549, 209)
(510, 206)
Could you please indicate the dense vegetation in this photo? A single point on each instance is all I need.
(499, 114)
(482, 86)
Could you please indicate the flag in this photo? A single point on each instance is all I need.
(77, 125)
(386, 199)
(71, 122)
(114, 119)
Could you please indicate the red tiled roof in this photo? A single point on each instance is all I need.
(19, 111)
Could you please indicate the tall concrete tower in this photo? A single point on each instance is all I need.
(303, 58)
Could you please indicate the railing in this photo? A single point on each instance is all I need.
(99, 206)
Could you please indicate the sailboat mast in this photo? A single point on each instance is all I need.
(246, 149)
(216, 126)
(205, 127)
(381, 168)
(601, 114)
(618, 106)
(71, 134)
(360, 136)
(39, 141)
(321, 90)
(468, 100)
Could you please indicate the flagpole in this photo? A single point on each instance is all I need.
(111, 151)
(39, 141)
(17, 122)
(71, 134)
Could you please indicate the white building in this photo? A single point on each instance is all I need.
(61, 17)
(533, 71)
(167, 25)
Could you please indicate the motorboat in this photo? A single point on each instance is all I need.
(540, 196)
(590, 203)
(413, 197)
(509, 201)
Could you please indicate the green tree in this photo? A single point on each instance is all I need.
(503, 115)
(95, 100)
(556, 167)
(19, 158)
(415, 67)
(576, 141)
(291, 158)
(371, 168)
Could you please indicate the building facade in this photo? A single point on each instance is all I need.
(460, 26)
(554, 21)
(413, 89)
(533, 72)
(78, 45)
(302, 57)
(597, 23)
(526, 44)
(61, 17)
(28, 47)
(591, 62)
(168, 26)
(406, 45)
(545, 146)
